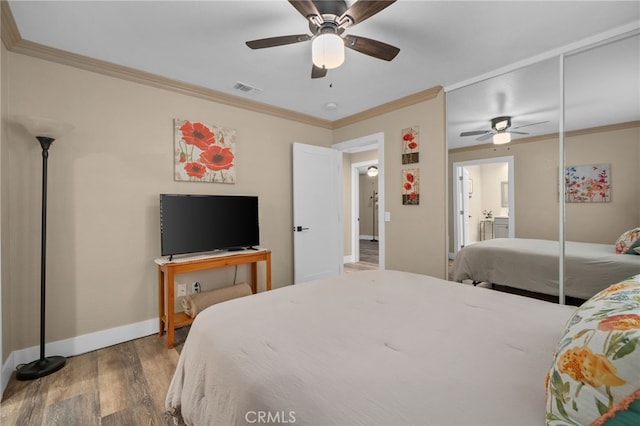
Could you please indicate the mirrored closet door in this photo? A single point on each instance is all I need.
(560, 188)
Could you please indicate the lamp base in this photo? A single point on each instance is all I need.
(40, 368)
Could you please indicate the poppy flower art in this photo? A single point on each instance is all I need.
(411, 187)
(411, 145)
(203, 152)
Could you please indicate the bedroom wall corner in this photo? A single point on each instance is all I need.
(104, 184)
(415, 236)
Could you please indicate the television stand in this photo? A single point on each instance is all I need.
(168, 318)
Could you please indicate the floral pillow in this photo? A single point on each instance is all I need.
(628, 242)
(595, 375)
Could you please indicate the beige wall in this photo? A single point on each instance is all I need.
(415, 236)
(536, 183)
(104, 182)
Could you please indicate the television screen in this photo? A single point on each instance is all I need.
(199, 223)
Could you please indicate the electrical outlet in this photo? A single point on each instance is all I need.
(196, 288)
(182, 290)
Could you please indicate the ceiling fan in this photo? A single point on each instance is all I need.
(328, 19)
(501, 130)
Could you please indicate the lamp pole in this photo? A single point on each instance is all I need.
(44, 365)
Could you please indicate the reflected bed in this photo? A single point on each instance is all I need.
(532, 265)
(371, 347)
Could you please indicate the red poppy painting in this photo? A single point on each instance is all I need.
(411, 145)
(411, 187)
(203, 152)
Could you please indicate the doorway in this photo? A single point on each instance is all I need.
(483, 190)
(364, 207)
(352, 232)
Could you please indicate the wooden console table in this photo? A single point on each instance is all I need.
(167, 270)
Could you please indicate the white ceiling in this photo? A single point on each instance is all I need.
(442, 43)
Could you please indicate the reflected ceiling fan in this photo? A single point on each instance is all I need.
(328, 19)
(501, 130)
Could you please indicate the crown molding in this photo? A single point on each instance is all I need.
(51, 54)
(14, 43)
(570, 134)
(425, 95)
(10, 34)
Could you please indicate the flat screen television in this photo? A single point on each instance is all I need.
(201, 223)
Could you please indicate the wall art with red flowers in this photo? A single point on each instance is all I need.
(203, 152)
(411, 145)
(411, 187)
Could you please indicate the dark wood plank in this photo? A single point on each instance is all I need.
(79, 410)
(157, 366)
(28, 397)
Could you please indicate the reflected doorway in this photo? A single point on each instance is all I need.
(483, 200)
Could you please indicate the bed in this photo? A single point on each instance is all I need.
(532, 265)
(369, 348)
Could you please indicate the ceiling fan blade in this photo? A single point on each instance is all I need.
(485, 137)
(277, 41)
(317, 72)
(517, 133)
(364, 9)
(370, 47)
(475, 133)
(306, 8)
(530, 124)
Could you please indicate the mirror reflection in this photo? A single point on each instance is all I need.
(602, 153)
(601, 145)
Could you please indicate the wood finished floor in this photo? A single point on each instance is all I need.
(368, 257)
(121, 385)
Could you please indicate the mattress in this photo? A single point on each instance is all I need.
(533, 265)
(369, 348)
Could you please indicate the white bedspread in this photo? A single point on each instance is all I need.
(370, 348)
(531, 264)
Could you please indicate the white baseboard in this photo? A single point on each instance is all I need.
(78, 345)
(348, 259)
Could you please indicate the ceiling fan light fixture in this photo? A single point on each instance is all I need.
(501, 125)
(372, 171)
(327, 51)
(501, 138)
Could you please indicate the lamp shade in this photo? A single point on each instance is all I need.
(41, 126)
(501, 138)
(327, 51)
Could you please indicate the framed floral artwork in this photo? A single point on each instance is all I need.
(411, 187)
(587, 184)
(203, 152)
(411, 145)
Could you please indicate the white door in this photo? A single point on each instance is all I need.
(462, 206)
(317, 212)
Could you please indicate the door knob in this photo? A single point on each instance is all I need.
(299, 229)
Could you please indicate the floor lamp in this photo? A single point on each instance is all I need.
(45, 131)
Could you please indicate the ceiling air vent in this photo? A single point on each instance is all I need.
(246, 88)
